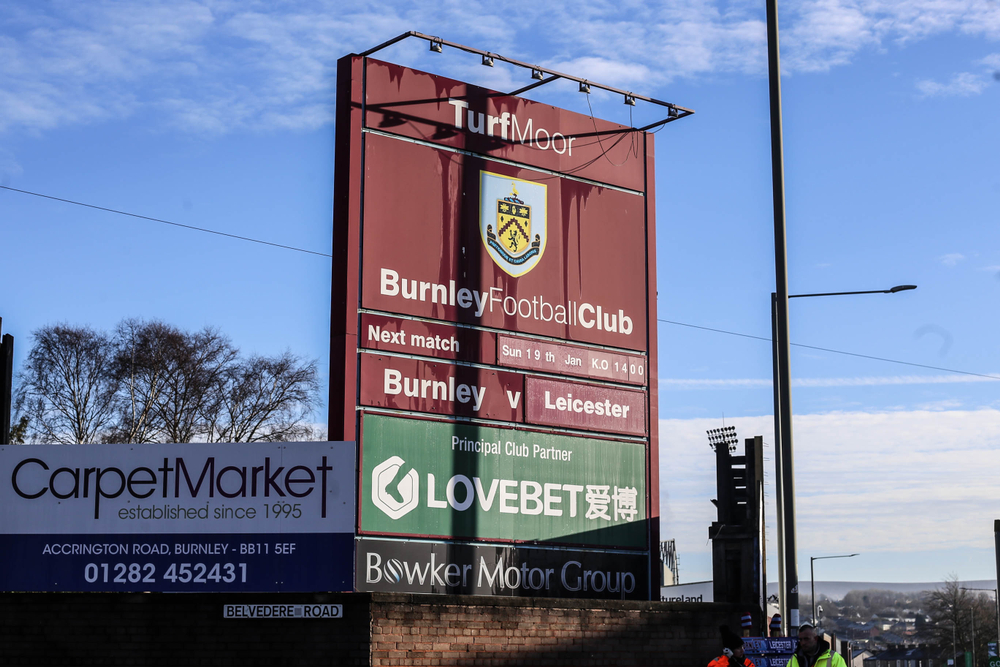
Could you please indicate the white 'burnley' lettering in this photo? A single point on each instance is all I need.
(396, 384)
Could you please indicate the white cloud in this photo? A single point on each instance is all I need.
(952, 258)
(739, 383)
(9, 166)
(964, 84)
(991, 61)
(944, 404)
(218, 65)
(893, 481)
(828, 33)
(728, 383)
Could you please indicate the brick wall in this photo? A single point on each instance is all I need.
(175, 630)
(420, 630)
(377, 629)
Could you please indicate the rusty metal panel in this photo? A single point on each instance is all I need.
(584, 406)
(426, 249)
(401, 383)
(427, 339)
(562, 359)
(423, 106)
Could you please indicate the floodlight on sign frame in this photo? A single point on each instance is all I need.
(542, 75)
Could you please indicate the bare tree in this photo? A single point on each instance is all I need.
(139, 365)
(193, 367)
(19, 430)
(960, 620)
(266, 399)
(153, 382)
(66, 389)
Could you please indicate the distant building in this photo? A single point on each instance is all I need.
(695, 591)
(892, 639)
(670, 571)
(859, 657)
(902, 656)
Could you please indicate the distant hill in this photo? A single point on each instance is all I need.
(836, 590)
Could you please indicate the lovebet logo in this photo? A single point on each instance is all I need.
(505, 496)
(407, 493)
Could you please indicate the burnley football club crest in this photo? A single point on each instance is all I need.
(512, 221)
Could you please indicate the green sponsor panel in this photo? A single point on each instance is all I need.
(468, 481)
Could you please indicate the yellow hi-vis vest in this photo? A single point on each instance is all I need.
(824, 660)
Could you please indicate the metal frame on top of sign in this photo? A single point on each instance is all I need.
(495, 333)
(205, 517)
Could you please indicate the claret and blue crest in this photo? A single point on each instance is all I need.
(512, 221)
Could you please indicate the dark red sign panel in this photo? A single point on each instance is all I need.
(427, 339)
(518, 352)
(415, 104)
(476, 232)
(439, 243)
(439, 388)
(584, 406)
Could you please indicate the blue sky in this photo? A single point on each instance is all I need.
(220, 115)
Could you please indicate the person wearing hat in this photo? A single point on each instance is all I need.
(814, 652)
(732, 651)
(775, 625)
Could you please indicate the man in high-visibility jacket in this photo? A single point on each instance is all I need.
(814, 652)
(732, 651)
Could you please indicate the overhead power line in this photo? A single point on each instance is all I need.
(166, 222)
(323, 254)
(826, 349)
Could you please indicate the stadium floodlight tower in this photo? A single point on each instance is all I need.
(723, 436)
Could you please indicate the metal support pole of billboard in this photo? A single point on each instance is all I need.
(6, 375)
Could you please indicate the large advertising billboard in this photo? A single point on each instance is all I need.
(180, 517)
(493, 338)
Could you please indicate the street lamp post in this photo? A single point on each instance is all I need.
(788, 569)
(812, 578)
(996, 598)
(954, 640)
(972, 613)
